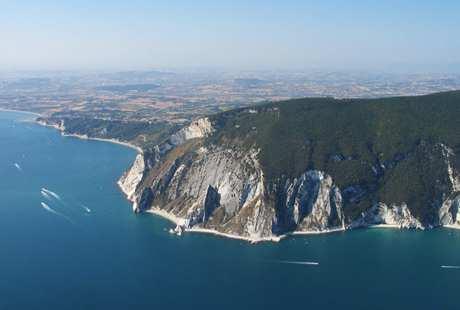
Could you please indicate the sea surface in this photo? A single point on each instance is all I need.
(77, 245)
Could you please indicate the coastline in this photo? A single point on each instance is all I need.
(318, 232)
(179, 221)
(20, 111)
(115, 141)
(85, 137)
(385, 226)
(452, 226)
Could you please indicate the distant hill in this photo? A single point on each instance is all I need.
(127, 88)
(28, 83)
(249, 83)
(137, 75)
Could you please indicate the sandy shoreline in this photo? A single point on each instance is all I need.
(179, 221)
(318, 232)
(237, 237)
(85, 137)
(115, 141)
(166, 215)
(452, 226)
(385, 226)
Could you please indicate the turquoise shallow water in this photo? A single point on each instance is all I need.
(110, 258)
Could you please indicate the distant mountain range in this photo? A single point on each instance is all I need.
(127, 87)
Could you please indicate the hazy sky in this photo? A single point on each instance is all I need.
(266, 34)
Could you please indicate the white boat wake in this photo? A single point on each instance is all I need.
(450, 267)
(17, 166)
(88, 210)
(51, 210)
(47, 191)
(45, 195)
(294, 262)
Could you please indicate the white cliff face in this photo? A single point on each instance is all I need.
(217, 189)
(223, 190)
(394, 215)
(454, 176)
(229, 173)
(58, 125)
(315, 202)
(449, 213)
(130, 180)
(197, 129)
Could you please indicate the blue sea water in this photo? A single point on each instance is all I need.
(65, 257)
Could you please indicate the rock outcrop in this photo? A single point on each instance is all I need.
(449, 213)
(228, 174)
(313, 202)
(394, 215)
(224, 190)
(214, 188)
(197, 129)
(132, 177)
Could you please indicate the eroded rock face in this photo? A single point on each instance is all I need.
(225, 190)
(397, 215)
(211, 202)
(220, 189)
(209, 186)
(197, 129)
(454, 176)
(449, 213)
(132, 177)
(313, 202)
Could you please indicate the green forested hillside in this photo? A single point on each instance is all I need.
(143, 134)
(379, 149)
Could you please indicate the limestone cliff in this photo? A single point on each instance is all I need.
(228, 174)
(131, 178)
(381, 214)
(224, 190)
